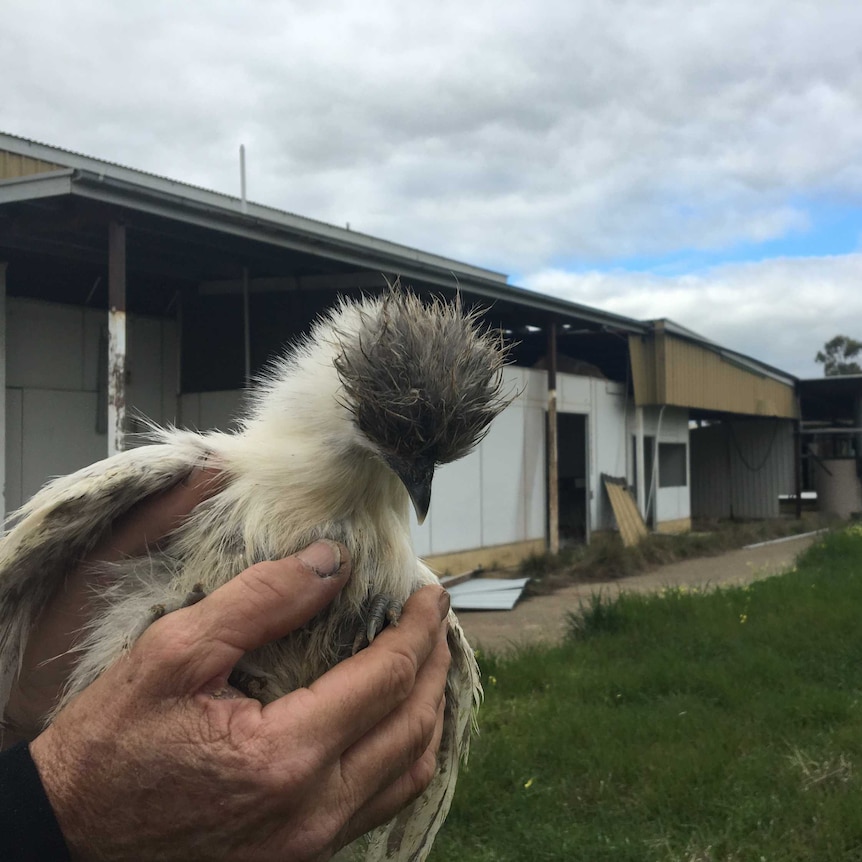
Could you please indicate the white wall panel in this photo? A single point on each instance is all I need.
(144, 368)
(204, 411)
(534, 473)
(45, 345)
(59, 435)
(671, 426)
(220, 409)
(609, 443)
(95, 321)
(573, 393)
(532, 385)
(421, 535)
(504, 495)
(673, 504)
(673, 422)
(53, 360)
(497, 494)
(456, 506)
(607, 440)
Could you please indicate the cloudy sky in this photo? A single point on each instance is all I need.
(700, 161)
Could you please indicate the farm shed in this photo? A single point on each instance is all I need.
(832, 442)
(126, 295)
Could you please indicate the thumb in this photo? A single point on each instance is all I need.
(265, 602)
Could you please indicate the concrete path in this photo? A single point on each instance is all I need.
(543, 618)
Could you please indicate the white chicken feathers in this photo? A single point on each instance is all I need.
(352, 417)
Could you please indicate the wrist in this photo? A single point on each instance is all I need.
(67, 800)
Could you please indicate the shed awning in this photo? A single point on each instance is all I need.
(681, 370)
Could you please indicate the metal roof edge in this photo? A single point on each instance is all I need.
(258, 223)
(565, 307)
(267, 225)
(35, 186)
(678, 329)
(80, 161)
(90, 169)
(831, 378)
(29, 178)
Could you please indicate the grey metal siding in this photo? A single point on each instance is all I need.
(739, 469)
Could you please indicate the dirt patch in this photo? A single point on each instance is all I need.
(543, 618)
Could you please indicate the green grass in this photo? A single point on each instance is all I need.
(684, 726)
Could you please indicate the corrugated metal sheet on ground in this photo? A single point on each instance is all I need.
(629, 520)
(487, 594)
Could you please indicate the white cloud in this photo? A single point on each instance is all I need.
(519, 135)
(780, 311)
(513, 134)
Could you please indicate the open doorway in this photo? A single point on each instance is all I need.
(573, 477)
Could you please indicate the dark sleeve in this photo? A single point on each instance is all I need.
(28, 829)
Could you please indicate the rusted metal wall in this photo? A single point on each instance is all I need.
(671, 370)
(13, 165)
(739, 469)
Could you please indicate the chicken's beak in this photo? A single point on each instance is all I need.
(420, 494)
(417, 479)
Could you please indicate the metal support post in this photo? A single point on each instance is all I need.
(116, 337)
(553, 450)
(640, 478)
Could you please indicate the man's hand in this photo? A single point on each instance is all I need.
(161, 759)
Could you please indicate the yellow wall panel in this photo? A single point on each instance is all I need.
(671, 370)
(14, 165)
(643, 369)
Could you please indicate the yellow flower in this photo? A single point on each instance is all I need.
(529, 783)
(492, 680)
(743, 618)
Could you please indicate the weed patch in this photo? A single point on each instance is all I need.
(606, 558)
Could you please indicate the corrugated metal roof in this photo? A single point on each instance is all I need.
(102, 170)
(73, 159)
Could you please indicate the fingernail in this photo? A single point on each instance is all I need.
(324, 556)
(445, 603)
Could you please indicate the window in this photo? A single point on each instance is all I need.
(672, 471)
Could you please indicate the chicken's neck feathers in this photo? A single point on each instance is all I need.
(285, 490)
(300, 469)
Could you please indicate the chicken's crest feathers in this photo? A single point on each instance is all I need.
(422, 381)
(407, 380)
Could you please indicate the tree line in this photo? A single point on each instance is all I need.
(838, 356)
